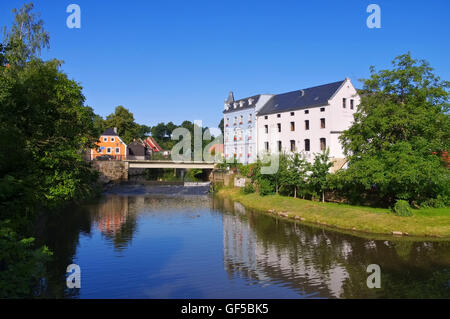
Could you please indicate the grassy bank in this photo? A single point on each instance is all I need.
(433, 222)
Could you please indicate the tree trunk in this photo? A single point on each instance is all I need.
(323, 197)
(295, 192)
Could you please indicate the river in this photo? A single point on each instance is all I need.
(180, 242)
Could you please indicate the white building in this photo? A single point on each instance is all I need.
(240, 133)
(308, 121)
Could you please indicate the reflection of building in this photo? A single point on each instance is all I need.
(305, 262)
(112, 215)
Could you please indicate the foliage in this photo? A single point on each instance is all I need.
(27, 37)
(266, 187)
(402, 208)
(193, 175)
(318, 179)
(44, 130)
(21, 265)
(400, 130)
(248, 189)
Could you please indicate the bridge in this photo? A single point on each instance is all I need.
(168, 164)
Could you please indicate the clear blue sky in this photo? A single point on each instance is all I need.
(177, 60)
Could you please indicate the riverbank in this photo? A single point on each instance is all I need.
(433, 222)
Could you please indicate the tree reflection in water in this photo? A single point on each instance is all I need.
(317, 262)
(259, 249)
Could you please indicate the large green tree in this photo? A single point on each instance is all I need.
(44, 130)
(123, 120)
(400, 130)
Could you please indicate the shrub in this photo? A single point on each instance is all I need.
(248, 189)
(402, 208)
(266, 187)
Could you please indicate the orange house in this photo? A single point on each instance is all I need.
(110, 144)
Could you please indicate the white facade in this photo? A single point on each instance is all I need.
(240, 134)
(318, 127)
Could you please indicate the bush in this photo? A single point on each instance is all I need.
(266, 187)
(248, 189)
(402, 208)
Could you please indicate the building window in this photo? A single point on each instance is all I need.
(292, 113)
(344, 102)
(292, 126)
(279, 146)
(105, 139)
(279, 127)
(322, 123)
(112, 139)
(306, 111)
(108, 150)
(351, 104)
(266, 129)
(117, 150)
(278, 115)
(323, 144)
(306, 124)
(292, 145)
(266, 117)
(322, 109)
(307, 145)
(266, 146)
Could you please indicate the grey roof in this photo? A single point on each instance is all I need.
(109, 131)
(245, 106)
(301, 99)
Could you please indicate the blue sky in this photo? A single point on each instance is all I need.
(177, 60)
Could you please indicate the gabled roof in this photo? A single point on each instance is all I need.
(245, 104)
(109, 132)
(150, 141)
(301, 99)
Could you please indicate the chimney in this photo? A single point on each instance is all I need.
(115, 130)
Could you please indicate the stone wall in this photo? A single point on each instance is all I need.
(111, 171)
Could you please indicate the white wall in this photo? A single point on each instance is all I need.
(336, 117)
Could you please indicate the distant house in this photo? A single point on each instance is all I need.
(152, 144)
(110, 144)
(138, 150)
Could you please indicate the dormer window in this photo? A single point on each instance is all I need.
(235, 104)
(250, 101)
(241, 103)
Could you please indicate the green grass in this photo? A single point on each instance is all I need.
(430, 222)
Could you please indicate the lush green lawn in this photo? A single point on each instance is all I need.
(433, 222)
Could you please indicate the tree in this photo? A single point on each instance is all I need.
(27, 36)
(44, 129)
(319, 173)
(123, 120)
(221, 126)
(400, 130)
(296, 174)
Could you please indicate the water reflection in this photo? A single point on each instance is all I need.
(196, 246)
(319, 263)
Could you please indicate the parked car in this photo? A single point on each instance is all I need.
(104, 158)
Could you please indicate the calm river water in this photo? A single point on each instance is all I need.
(177, 242)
